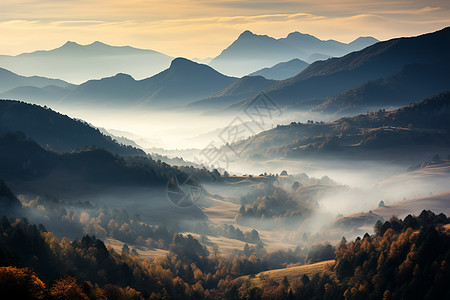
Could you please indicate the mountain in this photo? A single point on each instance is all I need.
(10, 80)
(55, 131)
(312, 45)
(30, 168)
(421, 129)
(182, 82)
(77, 63)
(334, 76)
(282, 70)
(251, 52)
(412, 83)
(244, 88)
(185, 80)
(8, 201)
(43, 96)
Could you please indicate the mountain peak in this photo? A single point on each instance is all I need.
(246, 34)
(297, 34)
(70, 44)
(98, 43)
(365, 39)
(181, 62)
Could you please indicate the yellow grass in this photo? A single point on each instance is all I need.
(290, 273)
(144, 252)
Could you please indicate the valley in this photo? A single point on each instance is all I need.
(282, 168)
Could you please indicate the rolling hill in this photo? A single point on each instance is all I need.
(383, 134)
(77, 63)
(55, 131)
(10, 80)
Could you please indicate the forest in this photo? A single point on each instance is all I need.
(403, 259)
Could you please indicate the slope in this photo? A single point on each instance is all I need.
(333, 76)
(56, 131)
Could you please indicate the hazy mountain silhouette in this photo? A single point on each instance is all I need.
(251, 52)
(244, 88)
(419, 128)
(77, 63)
(185, 80)
(182, 82)
(42, 96)
(10, 80)
(412, 83)
(56, 131)
(282, 70)
(121, 88)
(334, 76)
(312, 45)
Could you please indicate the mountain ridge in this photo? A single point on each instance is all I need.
(251, 52)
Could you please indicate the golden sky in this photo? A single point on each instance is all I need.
(202, 28)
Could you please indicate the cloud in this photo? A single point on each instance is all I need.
(204, 28)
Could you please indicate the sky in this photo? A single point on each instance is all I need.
(203, 28)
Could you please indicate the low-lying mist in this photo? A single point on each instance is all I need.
(284, 214)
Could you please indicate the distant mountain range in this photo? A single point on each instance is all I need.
(251, 52)
(385, 75)
(420, 128)
(183, 82)
(56, 131)
(283, 70)
(77, 63)
(10, 80)
(326, 79)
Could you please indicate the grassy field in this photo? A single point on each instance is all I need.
(291, 273)
(144, 252)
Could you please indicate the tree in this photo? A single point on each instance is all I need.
(67, 288)
(284, 173)
(216, 173)
(296, 185)
(20, 283)
(216, 251)
(125, 249)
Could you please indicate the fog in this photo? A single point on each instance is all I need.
(330, 187)
(176, 128)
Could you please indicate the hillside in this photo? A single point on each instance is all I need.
(243, 88)
(291, 273)
(54, 130)
(383, 59)
(184, 81)
(10, 80)
(412, 83)
(77, 63)
(381, 134)
(283, 70)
